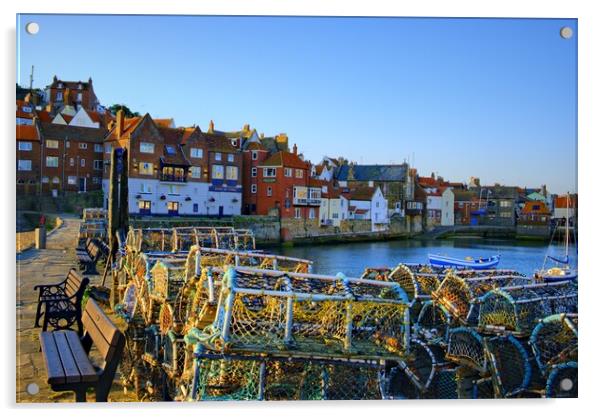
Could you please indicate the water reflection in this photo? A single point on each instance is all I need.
(351, 259)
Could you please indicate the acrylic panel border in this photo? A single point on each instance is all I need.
(587, 63)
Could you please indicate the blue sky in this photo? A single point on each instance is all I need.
(492, 98)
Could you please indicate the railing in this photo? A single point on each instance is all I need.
(172, 178)
(314, 201)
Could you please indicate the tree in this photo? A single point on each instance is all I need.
(128, 113)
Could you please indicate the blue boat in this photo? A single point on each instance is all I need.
(467, 263)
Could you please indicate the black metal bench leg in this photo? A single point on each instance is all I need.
(38, 314)
(80, 395)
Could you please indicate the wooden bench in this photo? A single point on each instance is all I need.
(67, 357)
(87, 257)
(61, 304)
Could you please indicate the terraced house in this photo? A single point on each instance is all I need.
(176, 171)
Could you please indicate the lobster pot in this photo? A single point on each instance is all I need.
(245, 240)
(465, 347)
(167, 278)
(379, 274)
(152, 344)
(554, 340)
(183, 240)
(508, 364)
(483, 389)
(562, 381)
(488, 273)
(174, 349)
(226, 240)
(149, 240)
(276, 379)
(420, 368)
(417, 285)
(459, 294)
(433, 323)
(266, 310)
(518, 309)
(444, 385)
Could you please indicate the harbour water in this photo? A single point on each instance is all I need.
(351, 259)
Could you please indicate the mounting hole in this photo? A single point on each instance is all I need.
(32, 28)
(566, 384)
(32, 389)
(566, 32)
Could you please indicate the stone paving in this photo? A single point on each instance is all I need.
(45, 266)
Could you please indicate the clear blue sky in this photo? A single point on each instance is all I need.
(492, 98)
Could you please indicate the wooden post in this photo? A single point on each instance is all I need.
(124, 193)
(112, 215)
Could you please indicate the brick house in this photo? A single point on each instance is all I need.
(29, 144)
(466, 202)
(254, 154)
(177, 171)
(71, 158)
(283, 187)
(70, 93)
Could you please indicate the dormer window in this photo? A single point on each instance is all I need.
(80, 86)
(234, 143)
(170, 150)
(60, 85)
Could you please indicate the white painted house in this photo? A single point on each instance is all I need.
(334, 206)
(369, 203)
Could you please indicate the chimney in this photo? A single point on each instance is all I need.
(120, 122)
(544, 190)
(211, 127)
(295, 149)
(246, 128)
(90, 80)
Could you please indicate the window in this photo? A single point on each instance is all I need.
(83, 146)
(107, 148)
(312, 213)
(253, 188)
(232, 173)
(269, 172)
(196, 153)
(67, 144)
(98, 165)
(195, 208)
(297, 212)
(52, 161)
(95, 180)
(59, 95)
(71, 180)
(287, 203)
(377, 204)
(25, 146)
(170, 150)
(24, 165)
(52, 144)
(195, 172)
(254, 155)
(299, 173)
(217, 172)
(97, 147)
(288, 172)
(146, 147)
(230, 157)
(45, 180)
(71, 162)
(56, 180)
(82, 162)
(218, 156)
(254, 172)
(145, 168)
(79, 97)
(269, 191)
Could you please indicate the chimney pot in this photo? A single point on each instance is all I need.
(295, 149)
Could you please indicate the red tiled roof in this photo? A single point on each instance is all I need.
(285, 159)
(219, 143)
(44, 116)
(564, 202)
(361, 194)
(535, 207)
(163, 122)
(27, 132)
(361, 211)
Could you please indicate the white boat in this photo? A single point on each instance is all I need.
(561, 269)
(467, 263)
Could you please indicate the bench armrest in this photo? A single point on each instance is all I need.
(50, 289)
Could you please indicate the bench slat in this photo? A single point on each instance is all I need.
(52, 359)
(86, 370)
(99, 327)
(70, 367)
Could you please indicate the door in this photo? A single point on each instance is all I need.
(172, 208)
(221, 211)
(144, 207)
(82, 185)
